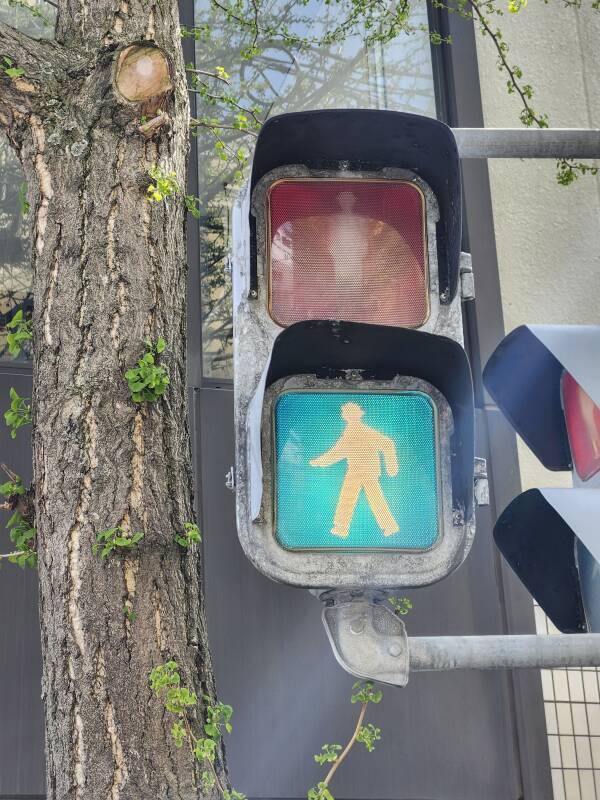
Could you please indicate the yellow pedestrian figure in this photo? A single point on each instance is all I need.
(362, 447)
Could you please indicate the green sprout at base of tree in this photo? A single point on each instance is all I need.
(190, 536)
(148, 381)
(115, 539)
(18, 414)
(19, 332)
(165, 682)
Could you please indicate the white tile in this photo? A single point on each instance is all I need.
(552, 628)
(595, 745)
(580, 723)
(563, 714)
(551, 721)
(540, 620)
(554, 750)
(593, 713)
(567, 749)
(558, 785)
(575, 686)
(547, 686)
(586, 782)
(584, 753)
(561, 685)
(572, 785)
(597, 779)
(590, 686)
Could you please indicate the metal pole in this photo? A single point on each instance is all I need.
(527, 143)
(503, 652)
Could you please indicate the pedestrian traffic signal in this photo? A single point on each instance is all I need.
(546, 381)
(354, 414)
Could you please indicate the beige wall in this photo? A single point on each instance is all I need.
(547, 235)
(548, 245)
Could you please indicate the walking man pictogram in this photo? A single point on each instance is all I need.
(362, 447)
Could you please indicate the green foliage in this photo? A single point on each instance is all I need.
(19, 331)
(165, 682)
(164, 676)
(148, 381)
(178, 734)
(329, 752)
(320, 792)
(115, 539)
(164, 184)
(190, 536)
(368, 735)
(364, 692)
(18, 414)
(129, 613)
(23, 536)
(569, 171)
(205, 748)
(23, 203)
(11, 488)
(31, 9)
(401, 605)
(217, 719)
(7, 66)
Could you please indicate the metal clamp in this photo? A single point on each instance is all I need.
(467, 281)
(481, 484)
(367, 638)
(230, 479)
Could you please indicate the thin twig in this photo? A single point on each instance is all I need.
(348, 747)
(209, 75)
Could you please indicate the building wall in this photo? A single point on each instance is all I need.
(548, 246)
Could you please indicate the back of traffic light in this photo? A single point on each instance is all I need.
(353, 395)
(546, 381)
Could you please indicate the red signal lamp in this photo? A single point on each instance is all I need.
(582, 417)
(347, 249)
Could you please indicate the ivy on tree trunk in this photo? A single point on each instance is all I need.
(109, 272)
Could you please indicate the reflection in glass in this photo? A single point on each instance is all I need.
(283, 78)
(15, 266)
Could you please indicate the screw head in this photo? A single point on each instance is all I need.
(357, 625)
(394, 650)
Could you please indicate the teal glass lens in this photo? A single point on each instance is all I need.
(356, 471)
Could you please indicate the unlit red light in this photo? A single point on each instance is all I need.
(349, 250)
(582, 416)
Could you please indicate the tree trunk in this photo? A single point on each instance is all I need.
(92, 112)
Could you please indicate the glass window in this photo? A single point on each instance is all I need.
(397, 75)
(15, 266)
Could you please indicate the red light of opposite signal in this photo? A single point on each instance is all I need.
(351, 250)
(582, 417)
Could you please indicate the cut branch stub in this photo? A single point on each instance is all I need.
(143, 77)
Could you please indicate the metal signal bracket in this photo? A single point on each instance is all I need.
(370, 642)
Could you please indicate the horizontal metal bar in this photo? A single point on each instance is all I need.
(527, 142)
(502, 652)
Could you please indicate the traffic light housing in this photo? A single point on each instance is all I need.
(353, 394)
(546, 381)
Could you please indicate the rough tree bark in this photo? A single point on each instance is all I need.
(92, 112)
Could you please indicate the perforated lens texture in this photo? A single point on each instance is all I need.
(348, 250)
(355, 471)
(582, 417)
